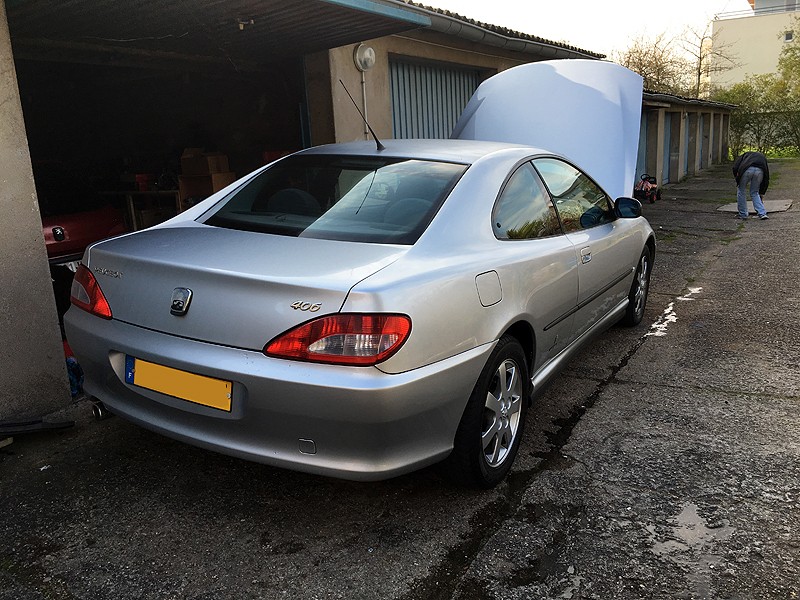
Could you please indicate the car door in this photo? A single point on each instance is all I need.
(540, 271)
(605, 248)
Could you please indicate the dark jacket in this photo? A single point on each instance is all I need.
(752, 159)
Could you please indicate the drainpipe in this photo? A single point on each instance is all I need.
(364, 103)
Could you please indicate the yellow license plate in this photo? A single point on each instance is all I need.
(191, 387)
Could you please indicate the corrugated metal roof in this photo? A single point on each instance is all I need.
(650, 97)
(244, 33)
(513, 40)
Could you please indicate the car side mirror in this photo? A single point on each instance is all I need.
(627, 208)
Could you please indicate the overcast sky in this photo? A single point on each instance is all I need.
(591, 24)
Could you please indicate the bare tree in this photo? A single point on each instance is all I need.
(707, 55)
(660, 63)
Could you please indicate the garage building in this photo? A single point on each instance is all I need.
(154, 105)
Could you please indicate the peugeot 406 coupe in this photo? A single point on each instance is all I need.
(362, 313)
(359, 310)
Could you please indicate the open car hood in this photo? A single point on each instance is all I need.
(588, 111)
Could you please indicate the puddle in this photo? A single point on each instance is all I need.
(669, 316)
(690, 545)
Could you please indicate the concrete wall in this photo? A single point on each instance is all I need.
(28, 319)
(755, 41)
(319, 94)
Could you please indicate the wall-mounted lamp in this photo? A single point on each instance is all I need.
(242, 23)
(364, 57)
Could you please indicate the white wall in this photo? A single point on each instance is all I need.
(756, 43)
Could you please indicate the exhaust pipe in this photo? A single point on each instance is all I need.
(100, 411)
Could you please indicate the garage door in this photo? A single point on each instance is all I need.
(428, 99)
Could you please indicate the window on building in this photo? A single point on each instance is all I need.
(788, 36)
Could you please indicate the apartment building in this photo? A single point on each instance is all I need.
(754, 38)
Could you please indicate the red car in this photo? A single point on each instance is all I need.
(73, 214)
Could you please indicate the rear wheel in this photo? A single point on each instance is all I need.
(637, 297)
(489, 434)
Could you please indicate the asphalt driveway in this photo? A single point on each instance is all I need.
(664, 463)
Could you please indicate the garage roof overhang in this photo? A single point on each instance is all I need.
(457, 25)
(651, 100)
(243, 34)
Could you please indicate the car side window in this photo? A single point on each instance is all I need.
(524, 210)
(581, 204)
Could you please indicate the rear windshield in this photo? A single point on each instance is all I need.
(341, 198)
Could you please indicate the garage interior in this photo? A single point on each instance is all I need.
(117, 92)
(108, 124)
(122, 98)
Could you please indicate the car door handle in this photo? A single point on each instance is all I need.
(586, 255)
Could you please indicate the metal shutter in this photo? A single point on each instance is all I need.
(428, 99)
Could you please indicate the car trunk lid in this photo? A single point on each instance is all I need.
(246, 287)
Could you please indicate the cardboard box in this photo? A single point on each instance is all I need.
(195, 162)
(220, 180)
(192, 188)
(147, 217)
(217, 162)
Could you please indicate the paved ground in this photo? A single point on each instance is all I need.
(662, 464)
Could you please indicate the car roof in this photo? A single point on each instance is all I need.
(458, 151)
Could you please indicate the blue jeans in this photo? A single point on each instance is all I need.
(751, 177)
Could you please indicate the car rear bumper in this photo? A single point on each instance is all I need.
(360, 423)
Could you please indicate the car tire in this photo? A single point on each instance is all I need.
(491, 427)
(637, 297)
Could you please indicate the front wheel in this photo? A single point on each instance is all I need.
(490, 431)
(637, 297)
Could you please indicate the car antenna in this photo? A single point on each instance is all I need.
(377, 141)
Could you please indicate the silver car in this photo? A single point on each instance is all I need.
(361, 313)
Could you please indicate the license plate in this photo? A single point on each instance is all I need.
(191, 387)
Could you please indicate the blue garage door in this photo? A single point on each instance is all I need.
(428, 99)
(641, 155)
(665, 174)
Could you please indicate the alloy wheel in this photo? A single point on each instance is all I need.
(501, 415)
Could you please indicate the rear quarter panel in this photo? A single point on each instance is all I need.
(435, 281)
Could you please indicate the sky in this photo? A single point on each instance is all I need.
(602, 27)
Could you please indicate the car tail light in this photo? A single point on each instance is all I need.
(86, 294)
(343, 339)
